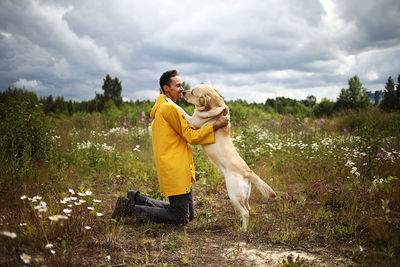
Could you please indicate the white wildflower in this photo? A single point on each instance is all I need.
(9, 234)
(90, 208)
(53, 218)
(25, 258)
(88, 193)
(99, 214)
(63, 217)
(23, 197)
(88, 227)
(66, 211)
(97, 200)
(71, 191)
(49, 245)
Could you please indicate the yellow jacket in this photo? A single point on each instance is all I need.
(171, 134)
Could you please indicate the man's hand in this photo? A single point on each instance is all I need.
(222, 121)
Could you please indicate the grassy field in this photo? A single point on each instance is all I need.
(337, 181)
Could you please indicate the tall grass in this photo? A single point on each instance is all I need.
(337, 183)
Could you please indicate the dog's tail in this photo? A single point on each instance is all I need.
(264, 188)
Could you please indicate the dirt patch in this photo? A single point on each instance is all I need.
(272, 256)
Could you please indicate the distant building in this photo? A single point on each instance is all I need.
(376, 97)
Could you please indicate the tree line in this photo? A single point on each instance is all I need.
(353, 97)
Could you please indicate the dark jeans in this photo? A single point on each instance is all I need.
(179, 210)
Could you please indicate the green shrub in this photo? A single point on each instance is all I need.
(24, 135)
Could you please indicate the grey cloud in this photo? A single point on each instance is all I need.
(263, 46)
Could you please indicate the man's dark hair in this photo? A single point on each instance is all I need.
(165, 78)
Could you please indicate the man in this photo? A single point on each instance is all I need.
(171, 134)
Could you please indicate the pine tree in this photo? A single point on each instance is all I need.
(391, 99)
(112, 90)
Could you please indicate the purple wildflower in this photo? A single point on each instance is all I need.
(124, 124)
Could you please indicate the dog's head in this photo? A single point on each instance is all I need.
(204, 97)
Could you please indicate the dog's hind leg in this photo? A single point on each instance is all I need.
(247, 197)
(239, 205)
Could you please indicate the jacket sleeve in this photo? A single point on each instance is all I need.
(202, 136)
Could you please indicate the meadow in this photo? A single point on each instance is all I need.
(337, 181)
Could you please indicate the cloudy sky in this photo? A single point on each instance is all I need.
(252, 50)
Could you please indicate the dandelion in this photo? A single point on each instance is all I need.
(25, 258)
(99, 214)
(23, 197)
(88, 227)
(97, 200)
(9, 234)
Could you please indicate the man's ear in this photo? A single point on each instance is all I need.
(165, 88)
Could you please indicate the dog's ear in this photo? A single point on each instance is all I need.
(215, 89)
(205, 101)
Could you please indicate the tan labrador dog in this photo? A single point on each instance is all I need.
(238, 176)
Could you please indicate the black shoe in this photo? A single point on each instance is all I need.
(121, 208)
(132, 196)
